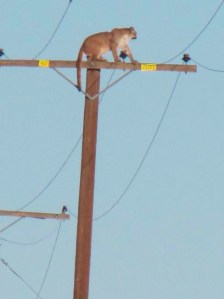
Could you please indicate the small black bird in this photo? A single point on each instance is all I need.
(64, 210)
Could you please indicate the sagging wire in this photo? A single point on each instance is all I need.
(50, 260)
(58, 172)
(55, 31)
(53, 178)
(20, 277)
(11, 224)
(199, 34)
(29, 243)
(206, 67)
(63, 164)
(50, 39)
(144, 156)
(45, 187)
(187, 47)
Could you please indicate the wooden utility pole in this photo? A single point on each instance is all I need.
(86, 192)
(85, 214)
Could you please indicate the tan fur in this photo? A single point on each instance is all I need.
(94, 46)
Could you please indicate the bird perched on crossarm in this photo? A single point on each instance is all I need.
(64, 210)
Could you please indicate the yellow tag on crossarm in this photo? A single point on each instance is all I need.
(148, 67)
(44, 63)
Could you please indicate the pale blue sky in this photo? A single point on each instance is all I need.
(164, 240)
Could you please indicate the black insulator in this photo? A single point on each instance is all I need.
(1, 53)
(186, 58)
(123, 55)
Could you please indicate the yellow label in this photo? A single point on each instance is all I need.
(148, 67)
(44, 63)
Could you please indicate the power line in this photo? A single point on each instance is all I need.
(53, 178)
(101, 99)
(53, 34)
(59, 170)
(181, 52)
(206, 67)
(160, 67)
(49, 263)
(11, 224)
(45, 187)
(20, 277)
(63, 164)
(30, 243)
(145, 155)
(142, 161)
(83, 248)
(199, 34)
(65, 161)
(74, 216)
(55, 31)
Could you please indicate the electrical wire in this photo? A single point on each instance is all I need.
(73, 215)
(199, 34)
(58, 172)
(174, 57)
(53, 34)
(30, 243)
(46, 186)
(65, 162)
(20, 277)
(62, 166)
(143, 159)
(53, 178)
(50, 260)
(206, 67)
(145, 155)
(11, 224)
(55, 31)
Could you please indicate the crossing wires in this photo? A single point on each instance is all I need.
(134, 176)
(50, 260)
(20, 277)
